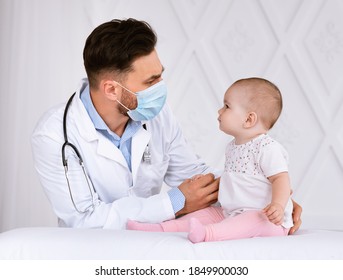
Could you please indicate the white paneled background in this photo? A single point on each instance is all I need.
(205, 45)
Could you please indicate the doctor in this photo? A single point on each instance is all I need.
(103, 157)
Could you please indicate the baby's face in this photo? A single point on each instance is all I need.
(233, 114)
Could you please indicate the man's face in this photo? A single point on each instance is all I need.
(147, 71)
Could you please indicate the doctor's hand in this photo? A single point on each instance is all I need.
(297, 209)
(200, 192)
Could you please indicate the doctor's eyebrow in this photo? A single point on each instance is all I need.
(154, 77)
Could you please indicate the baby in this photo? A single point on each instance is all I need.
(254, 193)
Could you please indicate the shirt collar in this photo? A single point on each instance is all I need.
(99, 124)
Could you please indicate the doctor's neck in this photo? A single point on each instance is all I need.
(109, 112)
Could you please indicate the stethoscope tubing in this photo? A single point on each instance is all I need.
(78, 154)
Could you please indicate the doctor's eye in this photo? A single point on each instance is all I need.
(150, 83)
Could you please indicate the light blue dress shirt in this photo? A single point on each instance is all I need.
(124, 143)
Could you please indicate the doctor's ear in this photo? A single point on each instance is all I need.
(251, 120)
(110, 89)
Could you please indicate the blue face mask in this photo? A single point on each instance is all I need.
(150, 102)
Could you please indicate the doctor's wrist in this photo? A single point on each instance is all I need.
(177, 199)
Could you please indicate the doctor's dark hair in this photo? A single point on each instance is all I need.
(113, 46)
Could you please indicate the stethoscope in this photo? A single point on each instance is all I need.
(146, 159)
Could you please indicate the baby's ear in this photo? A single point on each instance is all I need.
(251, 120)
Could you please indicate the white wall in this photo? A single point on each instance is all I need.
(205, 45)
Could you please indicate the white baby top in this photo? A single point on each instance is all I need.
(244, 185)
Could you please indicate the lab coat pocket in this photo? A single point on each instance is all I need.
(150, 178)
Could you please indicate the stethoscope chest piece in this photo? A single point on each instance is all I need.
(147, 155)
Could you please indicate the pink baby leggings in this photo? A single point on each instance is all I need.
(246, 225)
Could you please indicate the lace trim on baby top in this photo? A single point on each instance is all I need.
(244, 158)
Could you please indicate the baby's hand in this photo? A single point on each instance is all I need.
(275, 213)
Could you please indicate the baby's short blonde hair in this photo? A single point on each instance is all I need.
(262, 97)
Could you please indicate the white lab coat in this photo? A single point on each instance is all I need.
(119, 193)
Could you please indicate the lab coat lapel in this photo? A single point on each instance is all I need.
(107, 149)
(138, 145)
(87, 131)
